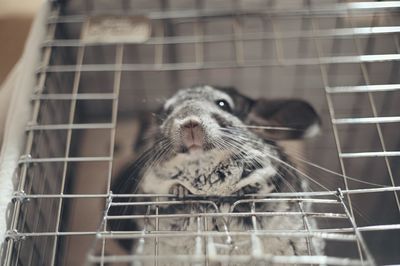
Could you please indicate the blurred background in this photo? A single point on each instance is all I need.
(15, 21)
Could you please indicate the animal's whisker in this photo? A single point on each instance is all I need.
(320, 167)
(149, 159)
(269, 127)
(335, 173)
(309, 163)
(165, 148)
(281, 175)
(290, 166)
(238, 140)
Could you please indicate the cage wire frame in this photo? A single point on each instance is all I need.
(206, 250)
(31, 228)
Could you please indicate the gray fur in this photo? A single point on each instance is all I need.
(206, 151)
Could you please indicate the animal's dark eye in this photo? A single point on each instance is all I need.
(224, 105)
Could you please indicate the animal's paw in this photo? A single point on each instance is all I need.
(179, 190)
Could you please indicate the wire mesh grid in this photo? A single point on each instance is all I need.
(211, 246)
(340, 56)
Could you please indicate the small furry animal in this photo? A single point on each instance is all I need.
(217, 144)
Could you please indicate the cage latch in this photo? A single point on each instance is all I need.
(20, 196)
(14, 235)
(24, 158)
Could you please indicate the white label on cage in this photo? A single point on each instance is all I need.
(116, 29)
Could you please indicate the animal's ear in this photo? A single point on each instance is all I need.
(276, 119)
(283, 119)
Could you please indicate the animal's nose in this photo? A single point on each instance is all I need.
(191, 124)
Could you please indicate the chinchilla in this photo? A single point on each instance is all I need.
(215, 150)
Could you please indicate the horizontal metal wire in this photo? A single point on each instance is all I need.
(366, 120)
(261, 233)
(111, 96)
(71, 126)
(324, 260)
(364, 88)
(323, 233)
(340, 234)
(369, 154)
(323, 10)
(234, 214)
(251, 36)
(214, 65)
(295, 195)
(80, 96)
(63, 159)
(208, 199)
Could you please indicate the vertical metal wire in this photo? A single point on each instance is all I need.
(39, 89)
(324, 76)
(198, 241)
(170, 50)
(307, 227)
(119, 55)
(280, 57)
(77, 77)
(257, 248)
(41, 221)
(373, 107)
(205, 239)
(29, 143)
(199, 44)
(104, 221)
(114, 113)
(156, 245)
(238, 35)
(39, 213)
(360, 239)
(199, 32)
(395, 36)
(159, 48)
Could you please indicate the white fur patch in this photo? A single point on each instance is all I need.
(312, 130)
(203, 173)
(258, 176)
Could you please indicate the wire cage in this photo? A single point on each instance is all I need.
(95, 90)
